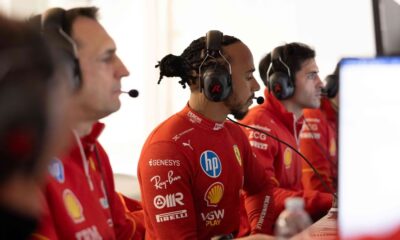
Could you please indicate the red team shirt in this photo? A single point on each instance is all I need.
(318, 144)
(83, 204)
(191, 172)
(282, 164)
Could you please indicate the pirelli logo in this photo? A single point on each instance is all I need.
(164, 217)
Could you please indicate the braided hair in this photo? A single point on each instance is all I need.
(185, 65)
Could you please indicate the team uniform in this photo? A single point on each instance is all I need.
(80, 197)
(282, 164)
(318, 144)
(191, 172)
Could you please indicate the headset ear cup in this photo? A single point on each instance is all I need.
(281, 85)
(217, 83)
(331, 85)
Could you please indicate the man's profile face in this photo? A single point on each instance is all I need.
(243, 82)
(308, 85)
(101, 69)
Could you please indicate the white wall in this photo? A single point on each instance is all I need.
(146, 30)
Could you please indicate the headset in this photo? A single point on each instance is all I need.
(331, 85)
(280, 83)
(215, 78)
(53, 23)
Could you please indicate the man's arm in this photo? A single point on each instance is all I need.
(164, 175)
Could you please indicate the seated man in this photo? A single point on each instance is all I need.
(318, 139)
(80, 193)
(290, 74)
(194, 165)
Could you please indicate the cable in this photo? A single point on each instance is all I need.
(294, 149)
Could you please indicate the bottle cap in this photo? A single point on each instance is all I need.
(294, 203)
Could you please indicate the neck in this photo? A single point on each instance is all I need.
(83, 128)
(215, 111)
(293, 108)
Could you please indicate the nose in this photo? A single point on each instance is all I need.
(255, 86)
(121, 70)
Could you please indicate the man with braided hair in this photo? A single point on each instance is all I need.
(195, 164)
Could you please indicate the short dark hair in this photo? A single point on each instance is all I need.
(26, 80)
(186, 66)
(293, 54)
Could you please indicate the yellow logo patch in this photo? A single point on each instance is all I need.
(237, 154)
(332, 147)
(287, 157)
(73, 206)
(214, 194)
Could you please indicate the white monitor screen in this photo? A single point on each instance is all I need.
(369, 144)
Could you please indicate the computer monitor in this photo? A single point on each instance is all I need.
(387, 27)
(369, 144)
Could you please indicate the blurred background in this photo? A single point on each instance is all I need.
(147, 30)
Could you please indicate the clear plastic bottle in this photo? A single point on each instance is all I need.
(293, 220)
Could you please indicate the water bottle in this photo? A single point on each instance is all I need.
(292, 220)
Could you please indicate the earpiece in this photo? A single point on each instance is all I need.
(331, 85)
(280, 81)
(52, 25)
(215, 78)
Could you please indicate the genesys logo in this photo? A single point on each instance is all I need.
(168, 201)
(211, 164)
(170, 216)
(214, 194)
(213, 218)
(164, 163)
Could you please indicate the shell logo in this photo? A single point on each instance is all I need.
(332, 147)
(287, 157)
(73, 206)
(214, 194)
(237, 154)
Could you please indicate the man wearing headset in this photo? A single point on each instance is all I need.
(194, 165)
(80, 194)
(31, 123)
(290, 74)
(318, 139)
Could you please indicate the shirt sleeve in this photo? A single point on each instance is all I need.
(257, 193)
(319, 146)
(165, 180)
(46, 229)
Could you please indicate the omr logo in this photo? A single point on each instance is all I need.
(170, 200)
(210, 164)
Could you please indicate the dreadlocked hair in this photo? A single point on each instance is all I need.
(188, 63)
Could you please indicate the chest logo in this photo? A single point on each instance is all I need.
(73, 206)
(56, 169)
(211, 164)
(214, 194)
(237, 154)
(287, 157)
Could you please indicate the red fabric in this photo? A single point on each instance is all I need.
(281, 164)
(74, 209)
(318, 144)
(191, 172)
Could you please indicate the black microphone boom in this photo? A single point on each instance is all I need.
(324, 184)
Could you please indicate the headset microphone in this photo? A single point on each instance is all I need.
(260, 100)
(133, 93)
